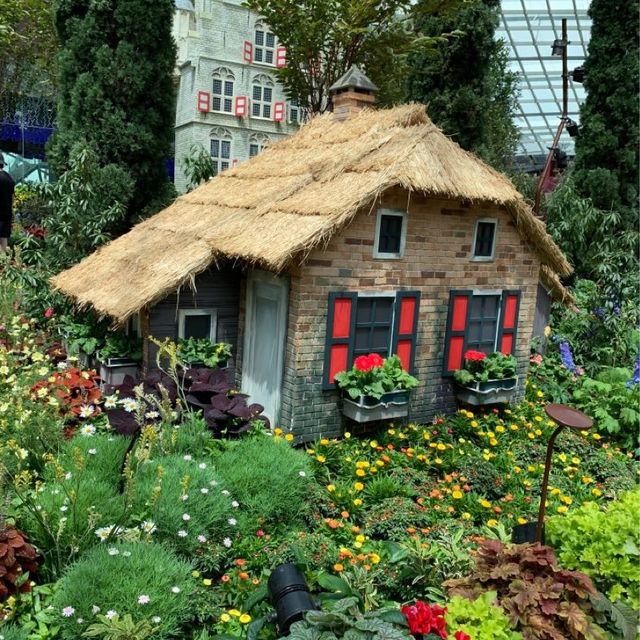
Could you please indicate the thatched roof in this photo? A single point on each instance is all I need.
(292, 197)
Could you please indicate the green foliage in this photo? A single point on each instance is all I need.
(13, 632)
(268, 478)
(121, 345)
(116, 63)
(481, 618)
(496, 366)
(203, 351)
(344, 620)
(114, 578)
(120, 628)
(604, 542)
(466, 83)
(198, 167)
(539, 598)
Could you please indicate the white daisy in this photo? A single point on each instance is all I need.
(182, 533)
(204, 490)
(227, 542)
(129, 404)
(232, 522)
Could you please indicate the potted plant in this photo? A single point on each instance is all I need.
(486, 379)
(82, 339)
(120, 357)
(194, 352)
(375, 388)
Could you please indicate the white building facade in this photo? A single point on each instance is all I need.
(228, 98)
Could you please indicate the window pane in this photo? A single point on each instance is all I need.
(224, 165)
(383, 310)
(268, 56)
(253, 150)
(381, 339)
(390, 234)
(197, 326)
(226, 149)
(484, 239)
(257, 54)
(260, 38)
(364, 312)
(215, 148)
(215, 103)
(257, 92)
(267, 93)
(271, 41)
(228, 105)
(217, 85)
(362, 340)
(266, 111)
(228, 88)
(215, 168)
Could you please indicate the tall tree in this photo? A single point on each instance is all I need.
(116, 93)
(470, 93)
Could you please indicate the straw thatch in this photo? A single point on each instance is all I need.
(551, 282)
(293, 196)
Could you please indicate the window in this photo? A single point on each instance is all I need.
(220, 150)
(390, 234)
(262, 97)
(361, 323)
(222, 91)
(294, 112)
(264, 44)
(197, 323)
(484, 242)
(484, 321)
(257, 143)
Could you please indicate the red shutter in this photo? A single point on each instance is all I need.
(281, 57)
(240, 107)
(234, 162)
(508, 321)
(204, 101)
(454, 347)
(278, 111)
(341, 315)
(247, 51)
(406, 327)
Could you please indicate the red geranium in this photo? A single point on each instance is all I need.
(424, 618)
(474, 356)
(366, 363)
(461, 635)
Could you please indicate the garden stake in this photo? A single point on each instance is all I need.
(564, 416)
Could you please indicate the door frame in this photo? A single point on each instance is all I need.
(257, 277)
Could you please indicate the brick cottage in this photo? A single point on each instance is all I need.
(368, 230)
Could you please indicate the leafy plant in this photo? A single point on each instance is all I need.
(18, 562)
(604, 542)
(121, 345)
(481, 367)
(540, 599)
(120, 628)
(202, 351)
(374, 376)
(481, 618)
(198, 167)
(343, 619)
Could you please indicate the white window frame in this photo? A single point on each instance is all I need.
(403, 234)
(221, 135)
(491, 257)
(263, 82)
(223, 75)
(259, 140)
(260, 26)
(183, 313)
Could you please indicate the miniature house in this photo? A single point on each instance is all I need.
(366, 231)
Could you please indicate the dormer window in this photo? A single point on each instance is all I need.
(484, 242)
(391, 229)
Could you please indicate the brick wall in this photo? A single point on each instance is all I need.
(437, 258)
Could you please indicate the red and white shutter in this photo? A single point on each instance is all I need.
(204, 101)
(341, 318)
(247, 51)
(278, 111)
(508, 322)
(234, 162)
(281, 57)
(240, 106)
(455, 336)
(406, 327)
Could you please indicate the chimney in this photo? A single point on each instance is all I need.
(352, 93)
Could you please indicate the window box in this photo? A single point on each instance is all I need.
(394, 404)
(114, 370)
(487, 392)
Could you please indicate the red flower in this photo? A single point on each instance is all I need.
(363, 363)
(461, 635)
(424, 618)
(376, 360)
(474, 356)
(260, 533)
(48, 313)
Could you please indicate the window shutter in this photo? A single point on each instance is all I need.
(240, 106)
(204, 101)
(278, 111)
(341, 322)
(406, 327)
(281, 57)
(234, 162)
(247, 51)
(508, 321)
(455, 336)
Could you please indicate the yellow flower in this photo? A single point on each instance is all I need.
(277, 431)
(466, 516)
(485, 503)
(245, 618)
(596, 492)
(321, 459)
(310, 452)
(566, 499)
(586, 479)
(391, 432)
(596, 436)
(360, 538)
(575, 460)
(517, 469)
(538, 418)
(235, 613)
(531, 435)
(555, 492)
(456, 495)
(347, 435)
(207, 582)
(474, 423)
(338, 567)
(324, 442)
(562, 509)
(357, 502)
(500, 429)
(331, 488)
(522, 521)
(440, 447)
(492, 523)
(531, 468)
(288, 438)
(493, 442)
(486, 456)
(357, 545)
(539, 394)
(373, 444)
(361, 472)
(195, 574)
(225, 617)
(513, 427)
(358, 486)
(379, 463)
(438, 460)
(374, 557)
(547, 331)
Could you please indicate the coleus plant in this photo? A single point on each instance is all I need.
(541, 600)
(18, 560)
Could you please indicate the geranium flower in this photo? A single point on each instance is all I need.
(474, 356)
(363, 363)
(424, 618)
(461, 635)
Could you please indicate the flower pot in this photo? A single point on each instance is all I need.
(487, 392)
(394, 404)
(114, 370)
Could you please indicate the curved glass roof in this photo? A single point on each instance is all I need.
(529, 28)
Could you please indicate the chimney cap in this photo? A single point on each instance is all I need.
(353, 79)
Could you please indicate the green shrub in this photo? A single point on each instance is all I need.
(481, 618)
(115, 578)
(269, 479)
(383, 487)
(603, 542)
(12, 632)
(206, 515)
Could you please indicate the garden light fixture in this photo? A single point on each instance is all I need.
(573, 128)
(558, 47)
(289, 595)
(577, 75)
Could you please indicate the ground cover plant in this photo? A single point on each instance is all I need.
(381, 521)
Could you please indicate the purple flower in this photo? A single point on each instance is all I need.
(599, 312)
(635, 379)
(67, 612)
(567, 356)
(144, 599)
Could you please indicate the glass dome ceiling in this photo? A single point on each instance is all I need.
(529, 28)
